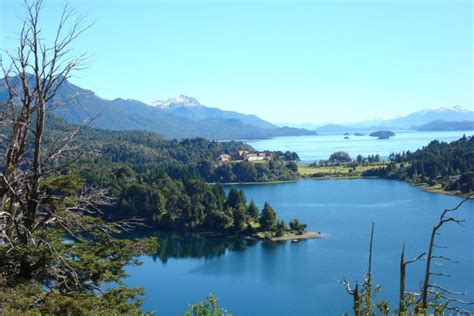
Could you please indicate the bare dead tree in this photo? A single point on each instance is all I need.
(402, 307)
(363, 299)
(368, 281)
(431, 295)
(440, 293)
(354, 292)
(33, 76)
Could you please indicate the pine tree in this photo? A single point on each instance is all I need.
(234, 198)
(268, 219)
(253, 210)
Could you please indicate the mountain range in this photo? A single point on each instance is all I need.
(454, 118)
(442, 125)
(184, 106)
(179, 117)
(413, 120)
(184, 117)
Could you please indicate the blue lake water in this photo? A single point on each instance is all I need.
(261, 278)
(312, 148)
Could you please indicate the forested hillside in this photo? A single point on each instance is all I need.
(447, 165)
(196, 157)
(166, 183)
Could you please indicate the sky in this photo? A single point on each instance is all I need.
(285, 61)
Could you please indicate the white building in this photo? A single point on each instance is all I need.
(224, 158)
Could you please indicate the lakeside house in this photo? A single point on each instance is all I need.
(253, 156)
(244, 155)
(224, 158)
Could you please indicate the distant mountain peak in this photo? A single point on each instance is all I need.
(181, 100)
(456, 108)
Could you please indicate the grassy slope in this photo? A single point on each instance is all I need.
(307, 171)
(342, 172)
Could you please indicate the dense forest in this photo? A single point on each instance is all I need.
(448, 165)
(173, 185)
(186, 158)
(169, 184)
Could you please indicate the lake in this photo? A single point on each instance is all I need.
(262, 278)
(312, 148)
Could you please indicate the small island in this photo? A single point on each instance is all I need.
(295, 232)
(382, 134)
(359, 134)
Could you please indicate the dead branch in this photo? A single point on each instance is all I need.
(444, 218)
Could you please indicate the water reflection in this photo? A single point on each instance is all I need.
(302, 278)
(192, 245)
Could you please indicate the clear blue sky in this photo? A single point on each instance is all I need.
(282, 60)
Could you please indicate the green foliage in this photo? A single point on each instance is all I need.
(165, 182)
(286, 156)
(169, 194)
(253, 210)
(196, 157)
(240, 218)
(298, 227)
(210, 307)
(31, 299)
(466, 182)
(292, 166)
(57, 275)
(268, 218)
(234, 198)
(340, 156)
(281, 228)
(172, 204)
(448, 165)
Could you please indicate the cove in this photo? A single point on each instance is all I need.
(262, 278)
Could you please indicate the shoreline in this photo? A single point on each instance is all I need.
(422, 186)
(265, 236)
(256, 182)
(291, 236)
(437, 190)
(340, 178)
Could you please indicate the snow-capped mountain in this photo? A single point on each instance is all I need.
(190, 108)
(181, 100)
(411, 121)
(456, 108)
(179, 117)
(455, 113)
